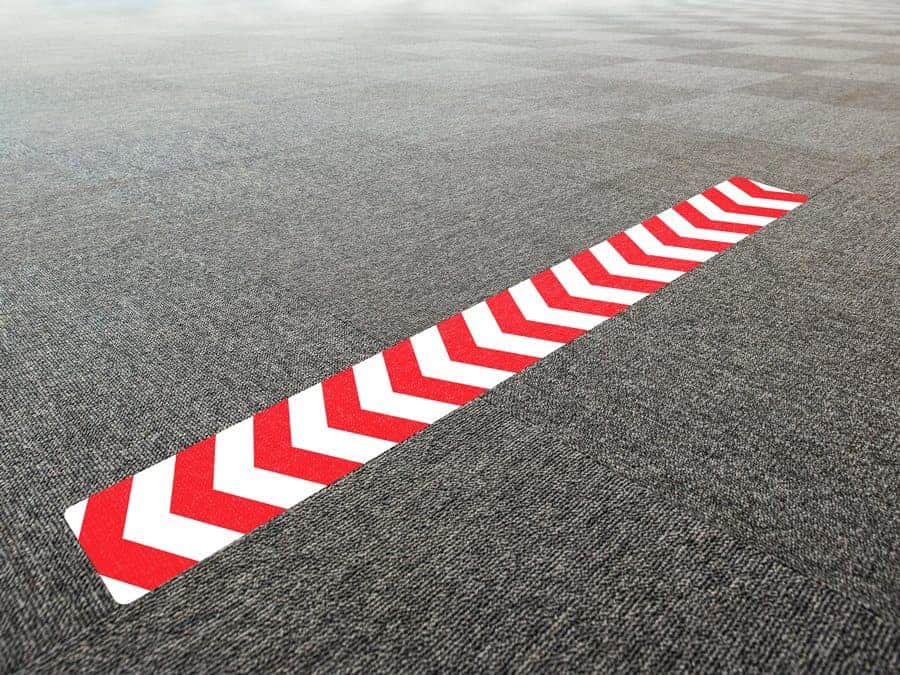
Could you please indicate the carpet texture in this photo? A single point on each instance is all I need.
(203, 213)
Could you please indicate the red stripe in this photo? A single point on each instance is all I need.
(634, 255)
(112, 556)
(193, 495)
(691, 214)
(342, 411)
(407, 378)
(666, 235)
(272, 450)
(596, 274)
(728, 204)
(511, 320)
(555, 295)
(461, 347)
(754, 190)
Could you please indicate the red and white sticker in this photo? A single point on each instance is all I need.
(152, 526)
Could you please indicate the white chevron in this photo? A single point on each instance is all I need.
(713, 212)
(533, 308)
(373, 384)
(576, 284)
(683, 228)
(310, 430)
(149, 521)
(234, 472)
(74, 516)
(121, 592)
(735, 193)
(614, 263)
(763, 186)
(487, 334)
(431, 353)
(650, 245)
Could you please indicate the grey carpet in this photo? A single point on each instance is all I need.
(200, 215)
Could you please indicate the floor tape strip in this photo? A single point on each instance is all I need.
(154, 525)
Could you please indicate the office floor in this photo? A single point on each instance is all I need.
(202, 214)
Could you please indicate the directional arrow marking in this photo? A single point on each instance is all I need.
(150, 527)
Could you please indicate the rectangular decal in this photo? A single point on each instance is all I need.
(154, 525)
